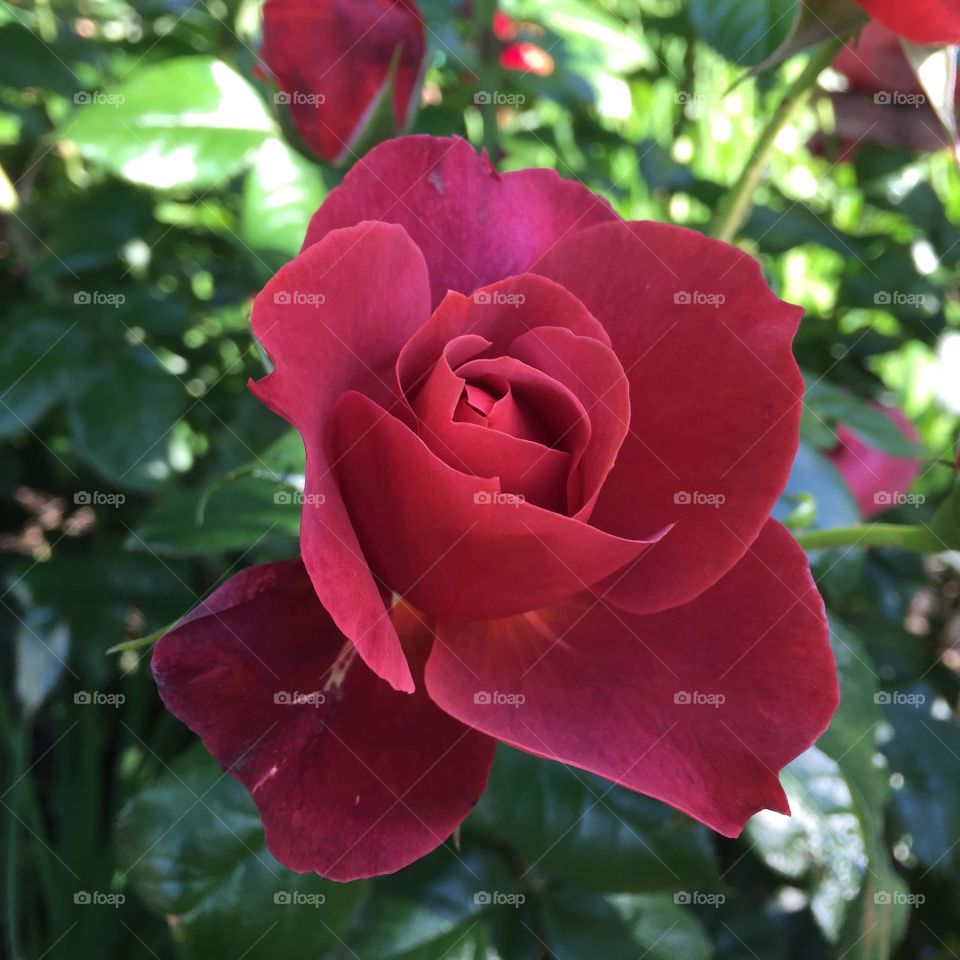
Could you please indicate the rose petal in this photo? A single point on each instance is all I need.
(474, 226)
(919, 21)
(637, 699)
(875, 478)
(714, 398)
(446, 541)
(499, 314)
(351, 778)
(478, 447)
(348, 341)
(594, 375)
(333, 57)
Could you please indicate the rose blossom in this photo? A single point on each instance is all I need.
(919, 21)
(542, 449)
(884, 102)
(875, 478)
(334, 60)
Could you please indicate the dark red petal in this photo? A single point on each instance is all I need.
(475, 226)
(920, 21)
(499, 313)
(350, 777)
(475, 445)
(332, 58)
(636, 699)
(350, 340)
(447, 541)
(594, 375)
(714, 398)
(874, 61)
(875, 478)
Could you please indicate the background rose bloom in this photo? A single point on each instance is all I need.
(885, 102)
(919, 21)
(558, 437)
(875, 478)
(335, 60)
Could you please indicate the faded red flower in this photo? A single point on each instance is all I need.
(919, 21)
(877, 480)
(528, 58)
(335, 60)
(885, 102)
(542, 449)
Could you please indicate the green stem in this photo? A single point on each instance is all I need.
(484, 11)
(918, 539)
(735, 207)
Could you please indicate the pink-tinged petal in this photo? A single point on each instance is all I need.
(332, 59)
(715, 397)
(876, 479)
(351, 778)
(699, 706)
(594, 375)
(499, 314)
(332, 324)
(919, 21)
(452, 544)
(474, 225)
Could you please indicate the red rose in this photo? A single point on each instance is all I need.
(919, 21)
(557, 437)
(334, 61)
(885, 102)
(876, 479)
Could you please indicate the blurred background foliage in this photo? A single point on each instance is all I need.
(149, 185)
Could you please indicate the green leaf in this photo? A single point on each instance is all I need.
(36, 359)
(121, 416)
(812, 475)
(822, 842)
(582, 926)
(833, 405)
(579, 827)
(923, 748)
(663, 928)
(192, 847)
(746, 32)
(42, 646)
(235, 515)
(191, 121)
(420, 913)
(876, 921)
(281, 192)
